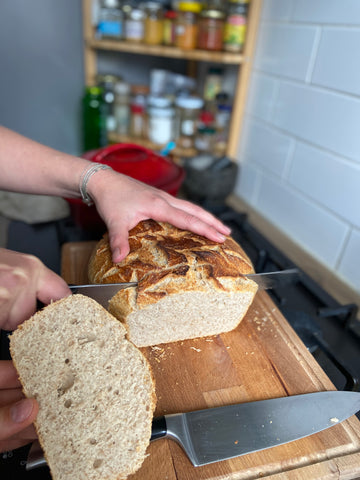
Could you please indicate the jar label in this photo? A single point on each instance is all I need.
(234, 34)
(188, 127)
(134, 30)
(113, 29)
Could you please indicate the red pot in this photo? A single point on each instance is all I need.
(136, 162)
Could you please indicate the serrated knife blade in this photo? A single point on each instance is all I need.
(103, 292)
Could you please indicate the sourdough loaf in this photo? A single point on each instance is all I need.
(94, 388)
(188, 286)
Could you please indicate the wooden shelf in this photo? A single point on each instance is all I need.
(176, 152)
(169, 52)
(93, 47)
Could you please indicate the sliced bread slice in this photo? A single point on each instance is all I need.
(95, 390)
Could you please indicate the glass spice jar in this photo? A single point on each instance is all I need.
(153, 23)
(169, 28)
(160, 121)
(235, 26)
(186, 31)
(188, 111)
(211, 29)
(111, 20)
(134, 25)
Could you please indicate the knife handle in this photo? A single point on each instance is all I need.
(159, 428)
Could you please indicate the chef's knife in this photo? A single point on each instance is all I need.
(220, 433)
(103, 292)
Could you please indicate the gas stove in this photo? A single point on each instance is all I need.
(329, 329)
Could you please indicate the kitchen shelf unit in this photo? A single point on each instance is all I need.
(243, 62)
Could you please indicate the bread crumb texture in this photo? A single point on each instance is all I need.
(95, 390)
(188, 286)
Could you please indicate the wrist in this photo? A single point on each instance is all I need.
(85, 177)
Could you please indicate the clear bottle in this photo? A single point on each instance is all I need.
(235, 26)
(111, 20)
(122, 107)
(107, 83)
(134, 24)
(153, 23)
(94, 119)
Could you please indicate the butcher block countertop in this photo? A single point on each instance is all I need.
(263, 358)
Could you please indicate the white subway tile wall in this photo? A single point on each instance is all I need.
(300, 146)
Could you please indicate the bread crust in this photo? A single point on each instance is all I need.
(167, 261)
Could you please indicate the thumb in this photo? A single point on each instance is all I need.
(119, 245)
(16, 417)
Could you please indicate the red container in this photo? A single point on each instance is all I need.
(136, 162)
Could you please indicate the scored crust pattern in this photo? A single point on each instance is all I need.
(165, 260)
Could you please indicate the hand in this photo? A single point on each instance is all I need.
(17, 413)
(123, 202)
(23, 280)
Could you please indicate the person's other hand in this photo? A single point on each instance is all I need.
(24, 279)
(123, 202)
(17, 413)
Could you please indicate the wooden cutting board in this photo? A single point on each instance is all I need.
(262, 358)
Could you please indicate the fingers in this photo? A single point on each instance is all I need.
(14, 422)
(8, 375)
(119, 243)
(23, 280)
(51, 287)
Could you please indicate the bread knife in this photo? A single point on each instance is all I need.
(103, 292)
(276, 279)
(221, 433)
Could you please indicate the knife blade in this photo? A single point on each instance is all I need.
(221, 433)
(276, 279)
(103, 292)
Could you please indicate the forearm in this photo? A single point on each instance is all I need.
(29, 167)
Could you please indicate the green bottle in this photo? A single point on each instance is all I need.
(94, 119)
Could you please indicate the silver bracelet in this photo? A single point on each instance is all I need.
(84, 179)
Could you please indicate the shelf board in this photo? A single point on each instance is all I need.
(169, 52)
(176, 152)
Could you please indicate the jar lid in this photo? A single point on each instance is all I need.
(212, 14)
(158, 101)
(161, 112)
(207, 130)
(192, 103)
(224, 108)
(171, 14)
(122, 88)
(107, 78)
(137, 108)
(111, 3)
(93, 90)
(153, 5)
(194, 7)
(140, 89)
(137, 14)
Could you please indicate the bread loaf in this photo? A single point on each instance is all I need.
(188, 286)
(94, 388)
